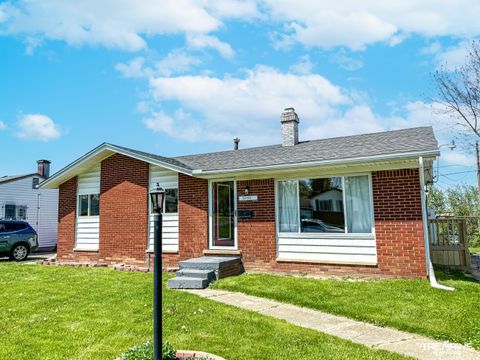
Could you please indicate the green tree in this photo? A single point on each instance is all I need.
(462, 200)
(437, 200)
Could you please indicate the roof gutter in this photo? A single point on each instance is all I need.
(429, 265)
(399, 156)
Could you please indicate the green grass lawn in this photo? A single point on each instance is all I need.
(49, 312)
(410, 305)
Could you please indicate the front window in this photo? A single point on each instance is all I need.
(325, 205)
(89, 205)
(321, 205)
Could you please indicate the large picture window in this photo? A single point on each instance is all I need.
(325, 205)
(89, 205)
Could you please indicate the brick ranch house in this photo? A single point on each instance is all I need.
(345, 205)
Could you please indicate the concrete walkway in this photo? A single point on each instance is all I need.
(373, 336)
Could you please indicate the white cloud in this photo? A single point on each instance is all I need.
(118, 24)
(176, 62)
(455, 157)
(37, 127)
(453, 56)
(303, 66)
(345, 61)
(204, 108)
(357, 24)
(320, 23)
(212, 108)
(133, 69)
(2, 125)
(356, 120)
(201, 41)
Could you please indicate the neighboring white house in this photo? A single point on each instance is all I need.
(20, 199)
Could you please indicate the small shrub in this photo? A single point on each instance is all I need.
(139, 352)
(145, 352)
(168, 352)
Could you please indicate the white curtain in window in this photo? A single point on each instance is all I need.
(358, 207)
(288, 206)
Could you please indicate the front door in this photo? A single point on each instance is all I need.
(223, 214)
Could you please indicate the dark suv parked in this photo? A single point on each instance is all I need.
(17, 239)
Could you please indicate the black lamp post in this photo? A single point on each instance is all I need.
(157, 196)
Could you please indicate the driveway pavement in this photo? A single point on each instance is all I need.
(417, 346)
(33, 257)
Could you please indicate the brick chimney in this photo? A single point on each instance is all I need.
(44, 168)
(289, 121)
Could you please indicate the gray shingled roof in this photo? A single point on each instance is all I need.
(5, 179)
(421, 139)
(389, 144)
(168, 160)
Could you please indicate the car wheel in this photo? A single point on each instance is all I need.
(19, 252)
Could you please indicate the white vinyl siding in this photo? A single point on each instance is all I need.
(167, 179)
(89, 182)
(330, 248)
(87, 231)
(339, 248)
(41, 207)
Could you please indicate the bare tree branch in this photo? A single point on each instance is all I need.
(458, 91)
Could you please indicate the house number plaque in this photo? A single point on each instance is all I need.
(248, 198)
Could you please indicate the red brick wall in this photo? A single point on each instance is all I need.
(256, 236)
(123, 209)
(398, 222)
(67, 209)
(123, 214)
(193, 216)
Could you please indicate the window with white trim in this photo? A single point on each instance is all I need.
(89, 205)
(340, 204)
(15, 212)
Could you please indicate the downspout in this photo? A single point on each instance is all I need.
(426, 240)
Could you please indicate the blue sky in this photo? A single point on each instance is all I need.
(181, 77)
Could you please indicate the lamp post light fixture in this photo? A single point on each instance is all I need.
(157, 196)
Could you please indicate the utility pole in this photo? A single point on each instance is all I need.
(478, 164)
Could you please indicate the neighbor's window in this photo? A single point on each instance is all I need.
(89, 205)
(171, 201)
(21, 213)
(10, 212)
(35, 182)
(317, 205)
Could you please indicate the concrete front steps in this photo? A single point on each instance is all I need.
(198, 273)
